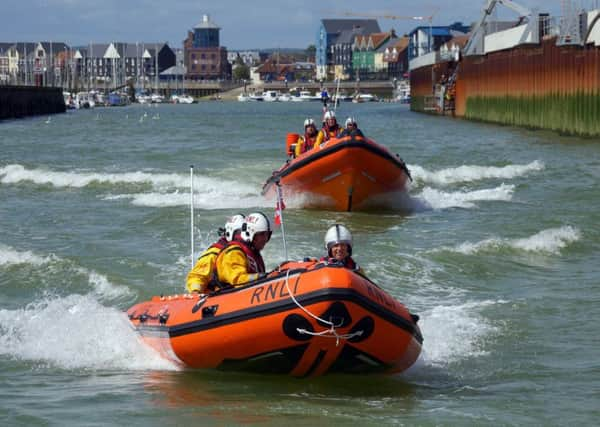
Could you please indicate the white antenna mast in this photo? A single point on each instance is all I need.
(337, 95)
(192, 214)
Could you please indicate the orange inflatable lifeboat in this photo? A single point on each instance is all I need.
(304, 319)
(345, 174)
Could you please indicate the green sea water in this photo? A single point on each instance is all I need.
(497, 249)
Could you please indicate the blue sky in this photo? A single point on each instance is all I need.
(244, 24)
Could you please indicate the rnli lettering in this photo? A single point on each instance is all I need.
(272, 291)
(380, 296)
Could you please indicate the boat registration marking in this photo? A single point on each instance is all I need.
(273, 291)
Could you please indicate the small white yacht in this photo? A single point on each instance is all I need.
(285, 97)
(305, 95)
(271, 96)
(364, 97)
(156, 98)
(84, 100)
(185, 99)
(256, 97)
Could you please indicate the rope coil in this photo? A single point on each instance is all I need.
(327, 333)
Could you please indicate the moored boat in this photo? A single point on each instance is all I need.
(242, 97)
(304, 319)
(344, 174)
(256, 97)
(270, 96)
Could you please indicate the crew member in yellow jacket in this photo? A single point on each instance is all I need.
(307, 142)
(202, 277)
(241, 262)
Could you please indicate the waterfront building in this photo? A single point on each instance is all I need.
(112, 65)
(367, 59)
(7, 51)
(426, 39)
(327, 35)
(205, 58)
(342, 52)
(34, 62)
(248, 57)
(395, 55)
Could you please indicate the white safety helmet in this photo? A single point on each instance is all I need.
(255, 223)
(233, 224)
(338, 234)
(329, 115)
(308, 122)
(350, 120)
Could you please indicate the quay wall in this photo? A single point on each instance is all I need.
(422, 86)
(541, 86)
(23, 101)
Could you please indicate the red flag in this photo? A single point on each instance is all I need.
(278, 208)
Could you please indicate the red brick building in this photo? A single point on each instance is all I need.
(204, 58)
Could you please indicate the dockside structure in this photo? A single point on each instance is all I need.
(533, 73)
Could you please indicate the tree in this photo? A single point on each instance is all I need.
(311, 51)
(240, 71)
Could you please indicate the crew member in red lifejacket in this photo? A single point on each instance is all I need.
(307, 142)
(201, 277)
(331, 128)
(338, 243)
(241, 262)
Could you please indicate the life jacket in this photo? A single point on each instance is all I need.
(219, 244)
(330, 133)
(255, 259)
(309, 142)
(349, 263)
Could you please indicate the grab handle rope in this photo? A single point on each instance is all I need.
(327, 333)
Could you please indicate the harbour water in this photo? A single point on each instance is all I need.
(498, 252)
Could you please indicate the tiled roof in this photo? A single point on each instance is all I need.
(348, 36)
(378, 38)
(399, 43)
(375, 40)
(333, 26)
